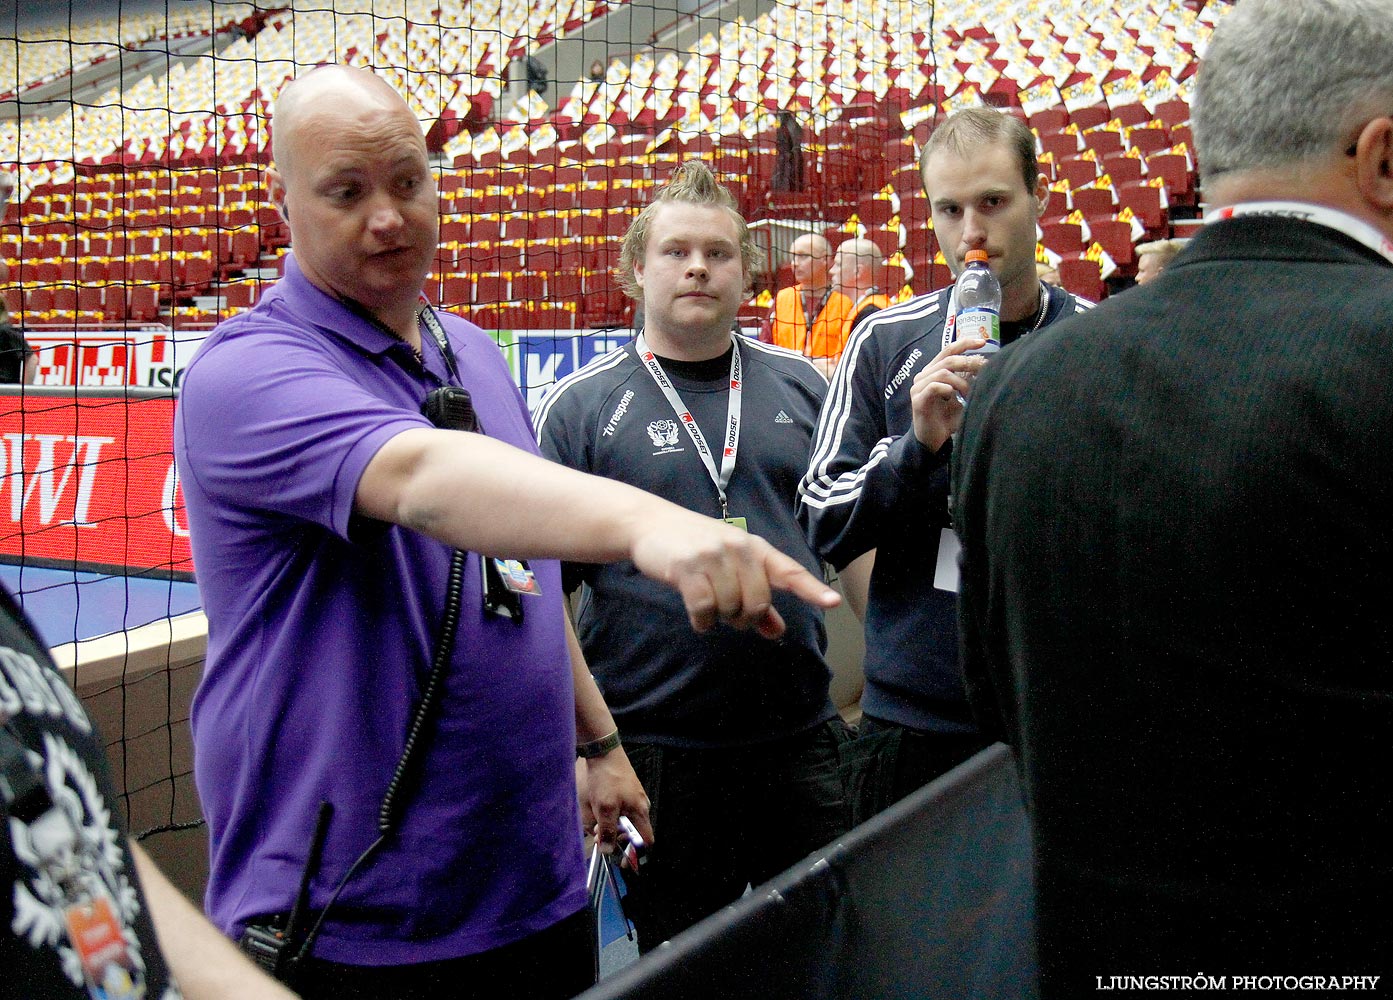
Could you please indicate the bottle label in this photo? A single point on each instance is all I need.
(978, 321)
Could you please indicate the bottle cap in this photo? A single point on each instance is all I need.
(976, 257)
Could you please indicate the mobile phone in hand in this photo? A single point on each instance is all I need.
(635, 847)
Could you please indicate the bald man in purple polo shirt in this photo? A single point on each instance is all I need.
(324, 508)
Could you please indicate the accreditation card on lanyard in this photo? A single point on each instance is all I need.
(721, 477)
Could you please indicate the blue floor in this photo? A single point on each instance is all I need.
(68, 606)
(616, 950)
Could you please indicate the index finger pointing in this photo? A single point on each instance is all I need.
(787, 574)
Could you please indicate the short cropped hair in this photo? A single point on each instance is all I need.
(1164, 249)
(1282, 82)
(964, 131)
(690, 184)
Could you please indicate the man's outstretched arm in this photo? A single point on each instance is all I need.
(476, 493)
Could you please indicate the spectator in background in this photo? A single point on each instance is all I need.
(807, 316)
(597, 71)
(1047, 273)
(788, 154)
(857, 265)
(1175, 585)
(725, 729)
(878, 478)
(536, 75)
(1155, 257)
(325, 509)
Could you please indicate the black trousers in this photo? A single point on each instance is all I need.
(730, 817)
(554, 964)
(888, 761)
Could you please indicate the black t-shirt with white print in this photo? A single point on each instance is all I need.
(75, 922)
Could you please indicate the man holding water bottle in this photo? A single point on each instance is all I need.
(878, 479)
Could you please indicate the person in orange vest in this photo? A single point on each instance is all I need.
(856, 269)
(807, 317)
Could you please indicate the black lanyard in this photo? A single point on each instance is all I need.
(437, 331)
(432, 323)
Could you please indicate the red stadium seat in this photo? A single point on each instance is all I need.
(600, 198)
(929, 276)
(1122, 169)
(455, 230)
(484, 316)
(1082, 277)
(245, 248)
(114, 303)
(508, 256)
(1149, 140)
(529, 287)
(65, 298)
(1145, 201)
(590, 223)
(617, 223)
(89, 298)
(1076, 172)
(142, 303)
(1173, 112)
(546, 227)
(36, 301)
(1116, 238)
(601, 257)
(564, 286)
(1174, 170)
(1062, 237)
(485, 230)
(236, 294)
(543, 257)
(1060, 144)
(1103, 141)
(873, 211)
(1130, 114)
(1049, 120)
(1088, 117)
(456, 290)
(1095, 203)
(490, 288)
(530, 200)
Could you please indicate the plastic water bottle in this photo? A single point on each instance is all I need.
(978, 296)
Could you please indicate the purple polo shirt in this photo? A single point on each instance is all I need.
(321, 627)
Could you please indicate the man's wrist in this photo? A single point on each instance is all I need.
(600, 747)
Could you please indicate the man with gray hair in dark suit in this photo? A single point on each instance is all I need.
(1174, 588)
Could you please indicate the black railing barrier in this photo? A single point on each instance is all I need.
(929, 899)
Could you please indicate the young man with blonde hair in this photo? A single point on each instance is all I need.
(723, 728)
(1155, 257)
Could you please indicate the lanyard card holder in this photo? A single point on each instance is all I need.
(505, 583)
